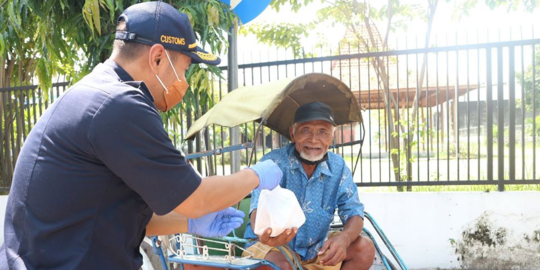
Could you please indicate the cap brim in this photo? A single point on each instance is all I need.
(200, 56)
(315, 118)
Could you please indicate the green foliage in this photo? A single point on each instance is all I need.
(464, 7)
(69, 38)
(530, 80)
(295, 5)
(46, 39)
(532, 128)
(354, 15)
(282, 35)
(506, 133)
(466, 151)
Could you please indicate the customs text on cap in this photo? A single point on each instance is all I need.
(159, 23)
(314, 111)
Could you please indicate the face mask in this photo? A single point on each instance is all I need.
(172, 94)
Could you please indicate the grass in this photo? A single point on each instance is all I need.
(466, 188)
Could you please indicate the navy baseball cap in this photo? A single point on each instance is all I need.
(314, 111)
(159, 23)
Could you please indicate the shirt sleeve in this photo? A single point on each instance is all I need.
(127, 135)
(348, 201)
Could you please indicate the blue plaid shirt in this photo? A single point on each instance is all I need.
(330, 187)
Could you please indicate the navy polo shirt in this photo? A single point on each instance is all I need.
(90, 175)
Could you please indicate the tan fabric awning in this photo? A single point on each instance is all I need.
(277, 102)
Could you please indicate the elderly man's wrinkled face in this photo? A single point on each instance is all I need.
(312, 138)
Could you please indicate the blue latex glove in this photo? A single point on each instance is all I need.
(216, 224)
(269, 174)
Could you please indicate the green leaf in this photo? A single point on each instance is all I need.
(95, 13)
(43, 74)
(110, 6)
(2, 45)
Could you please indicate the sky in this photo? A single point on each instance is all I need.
(482, 25)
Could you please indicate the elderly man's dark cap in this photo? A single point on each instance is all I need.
(314, 111)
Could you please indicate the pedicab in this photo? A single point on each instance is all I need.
(272, 105)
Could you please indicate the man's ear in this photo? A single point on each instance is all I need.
(291, 134)
(155, 57)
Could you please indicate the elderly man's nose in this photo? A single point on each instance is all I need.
(312, 135)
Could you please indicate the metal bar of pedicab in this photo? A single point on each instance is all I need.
(156, 244)
(346, 144)
(255, 139)
(220, 151)
(386, 241)
(383, 257)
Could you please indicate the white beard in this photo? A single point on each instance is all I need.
(311, 158)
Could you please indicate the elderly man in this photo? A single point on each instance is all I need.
(321, 182)
(98, 171)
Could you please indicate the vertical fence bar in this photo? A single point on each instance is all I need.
(512, 115)
(523, 114)
(534, 108)
(351, 127)
(24, 104)
(408, 147)
(467, 119)
(478, 112)
(10, 135)
(34, 109)
(17, 123)
(448, 114)
(426, 118)
(379, 94)
(417, 120)
(398, 115)
(222, 133)
(3, 152)
(439, 118)
(389, 119)
(428, 115)
(489, 114)
(500, 118)
(369, 126)
(456, 116)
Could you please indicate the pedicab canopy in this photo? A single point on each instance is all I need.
(274, 104)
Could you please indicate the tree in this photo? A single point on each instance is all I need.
(45, 39)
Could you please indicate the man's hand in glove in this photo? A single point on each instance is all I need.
(217, 224)
(269, 174)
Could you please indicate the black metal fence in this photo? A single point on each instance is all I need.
(20, 108)
(454, 115)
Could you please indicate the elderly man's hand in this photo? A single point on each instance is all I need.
(217, 224)
(282, 239)
(334, 250)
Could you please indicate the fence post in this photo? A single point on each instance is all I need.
(232, 72)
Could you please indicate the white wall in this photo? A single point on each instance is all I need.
(421, 226)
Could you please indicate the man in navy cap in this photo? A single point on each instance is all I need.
(98, 172)
(322, 183)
